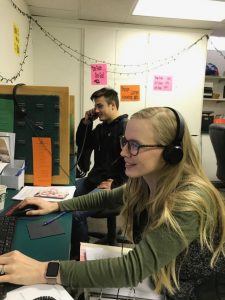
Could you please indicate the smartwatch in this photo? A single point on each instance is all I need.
(52, 272)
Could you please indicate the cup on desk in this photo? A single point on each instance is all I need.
(2, 196)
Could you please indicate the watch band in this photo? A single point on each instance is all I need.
(51, 280)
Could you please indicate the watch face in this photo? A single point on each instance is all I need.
(53, 269)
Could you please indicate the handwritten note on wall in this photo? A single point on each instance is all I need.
(16, 35)
(162, 83)
(130, 92)
(42, 160)
(99, 74)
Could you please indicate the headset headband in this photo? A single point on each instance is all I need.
(180, 126)
(173, 153)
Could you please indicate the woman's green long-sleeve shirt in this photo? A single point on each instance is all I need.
(155, 250)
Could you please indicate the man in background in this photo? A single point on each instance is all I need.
(108, 170)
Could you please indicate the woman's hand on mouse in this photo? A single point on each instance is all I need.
(43, 207)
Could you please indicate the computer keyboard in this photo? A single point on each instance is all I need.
(7, 231)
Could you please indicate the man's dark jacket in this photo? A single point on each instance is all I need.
(104, 139)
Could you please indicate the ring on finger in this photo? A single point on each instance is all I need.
(2, 271)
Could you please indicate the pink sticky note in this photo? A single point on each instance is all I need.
(99, 74)
(162, 83)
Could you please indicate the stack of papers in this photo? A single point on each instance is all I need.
(49, 193)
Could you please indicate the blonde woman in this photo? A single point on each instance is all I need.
(171, 211)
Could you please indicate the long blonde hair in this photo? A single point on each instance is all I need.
(180, 188)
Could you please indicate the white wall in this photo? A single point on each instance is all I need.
(124, 45)
(9, 61)
(137, 46)
(187, 72)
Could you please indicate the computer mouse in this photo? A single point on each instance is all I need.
(22, 211)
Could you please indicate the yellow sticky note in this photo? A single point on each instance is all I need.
(16, 37)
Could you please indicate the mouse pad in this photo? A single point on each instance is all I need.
(37, 230)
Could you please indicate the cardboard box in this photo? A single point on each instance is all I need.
(13, 175)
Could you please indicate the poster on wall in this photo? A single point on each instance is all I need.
(130, 92)
(162, 83)
(98, 74)
(16, 39)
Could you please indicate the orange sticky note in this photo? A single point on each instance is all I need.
(130, 92)
(42, 161)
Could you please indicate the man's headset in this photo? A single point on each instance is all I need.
(173, 153)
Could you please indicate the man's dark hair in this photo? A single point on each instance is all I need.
(109, 94)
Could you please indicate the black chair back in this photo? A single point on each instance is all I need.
(217, 136)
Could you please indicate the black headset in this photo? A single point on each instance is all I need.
(21, 111)
(173, 153)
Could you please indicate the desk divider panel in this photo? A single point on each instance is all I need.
(48, 108)
(72, 125)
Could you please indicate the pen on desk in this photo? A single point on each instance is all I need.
(53, 219)
(19, 172)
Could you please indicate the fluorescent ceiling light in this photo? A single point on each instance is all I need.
(204, 10)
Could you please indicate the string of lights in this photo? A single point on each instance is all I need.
(63, 46)
(162, 62)
(88, 61)
(21, 65)
(217, 50)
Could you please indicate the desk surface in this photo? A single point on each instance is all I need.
(55, 247)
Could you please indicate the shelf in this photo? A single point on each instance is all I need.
(214, 100)
(219, 78)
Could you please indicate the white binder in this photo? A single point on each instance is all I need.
(143, 290)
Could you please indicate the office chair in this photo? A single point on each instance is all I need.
(217, 137)
(113, 236)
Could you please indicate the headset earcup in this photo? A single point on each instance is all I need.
(173, 154)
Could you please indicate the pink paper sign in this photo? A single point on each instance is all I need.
(162, 83)
(98, 74)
